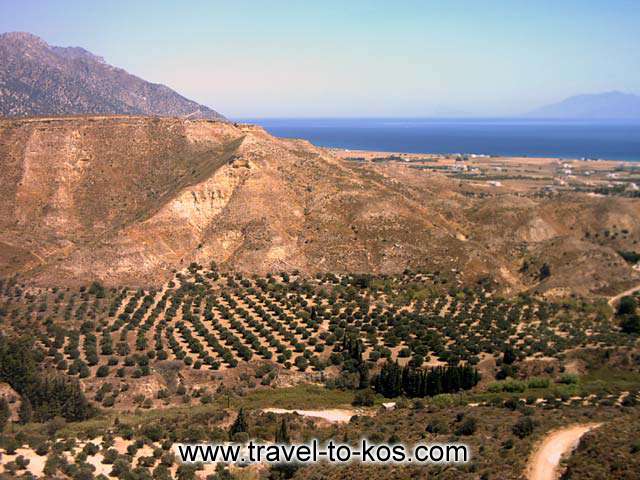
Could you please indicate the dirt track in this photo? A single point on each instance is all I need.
(331, 415)
(615, 298)
(546, 458)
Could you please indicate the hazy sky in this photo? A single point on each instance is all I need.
(355, 58)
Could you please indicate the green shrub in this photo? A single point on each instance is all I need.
(509, 386)
(523, 427)
(538, 382)
(437, 426)
(364, 398)
(468, 426)
(568, 379)
(514, 386)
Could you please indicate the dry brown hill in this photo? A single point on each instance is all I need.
(128, 199)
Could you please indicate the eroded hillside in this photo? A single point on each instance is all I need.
(128, 199)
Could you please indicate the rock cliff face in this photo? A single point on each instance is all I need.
(128, 199)
(39, 79)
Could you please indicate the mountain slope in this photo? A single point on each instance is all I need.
(129, 199)
(610, 105)
(38, 79)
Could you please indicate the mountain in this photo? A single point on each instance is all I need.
(610, 105)
(37, 79)
(129, 199)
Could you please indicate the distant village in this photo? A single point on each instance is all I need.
(545, 176)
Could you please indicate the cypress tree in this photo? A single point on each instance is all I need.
(363, 376)
(282, 432)
(509, 355)
(48, 396)
(394, 380)
(239, 425)
(25, 413)
(5, 413)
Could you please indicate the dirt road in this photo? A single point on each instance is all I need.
(331, 415)
(615, 298)
(544, 462)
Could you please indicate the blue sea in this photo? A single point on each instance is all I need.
(613, 140)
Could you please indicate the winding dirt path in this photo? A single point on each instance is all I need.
(545, 459)
(617, 297)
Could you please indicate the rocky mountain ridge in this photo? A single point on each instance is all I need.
(39, 79)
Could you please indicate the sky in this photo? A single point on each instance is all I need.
(355, 58)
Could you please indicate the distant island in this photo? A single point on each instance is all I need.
(609, 105)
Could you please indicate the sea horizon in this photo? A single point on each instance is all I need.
(604, 139)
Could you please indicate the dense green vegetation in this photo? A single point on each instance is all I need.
(498, 434)
(366, 338)
(44, 395)
(394, 381)
(628, 315)
(211, 320)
